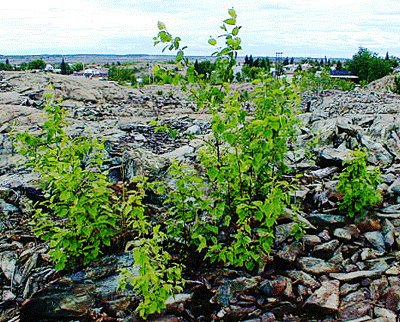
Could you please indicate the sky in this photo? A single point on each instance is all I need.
(297, 28)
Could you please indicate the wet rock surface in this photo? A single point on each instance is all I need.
(342, 269)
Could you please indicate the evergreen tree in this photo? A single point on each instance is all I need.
(251, 62)
(387, 55)
(266, 64)
(63, 67)
(286, 61)
(292, 61)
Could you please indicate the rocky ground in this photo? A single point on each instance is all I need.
(341, 270)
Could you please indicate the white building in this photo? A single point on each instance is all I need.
(49, 68)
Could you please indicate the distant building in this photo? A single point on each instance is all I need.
(343, 74)
(396, 70)
(93, 73)
(290, 69)
(49, 68)
(305, 67)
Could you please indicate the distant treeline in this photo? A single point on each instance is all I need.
(40, 64)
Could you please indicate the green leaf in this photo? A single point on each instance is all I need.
(212, 41)
(212, 173)
(230, 21)
(235, 31)
(160, 25)
(232, 13)
(65, 195)
(212, 228)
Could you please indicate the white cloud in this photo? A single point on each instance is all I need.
(299, 27)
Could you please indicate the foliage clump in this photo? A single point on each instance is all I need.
(227, 209)
(224, 209)
(84, 213)
(359, 184)
(369, 67)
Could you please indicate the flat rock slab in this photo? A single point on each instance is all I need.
(316, 266)
(62, 299)
(347, 277)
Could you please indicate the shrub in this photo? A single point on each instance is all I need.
(396, 85)
(228, 208)
(82, 215)
(359, 184)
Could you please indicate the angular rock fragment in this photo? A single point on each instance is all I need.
(304, 279)
(347, 233)
(8, 262)
(326, 250)
(327, 220)
(316, 266)
(290, 252)
(62, 299)
(354, 306)
(325, 299)
(376, 239)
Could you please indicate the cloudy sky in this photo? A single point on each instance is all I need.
(299, 28)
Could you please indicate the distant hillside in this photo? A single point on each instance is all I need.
(109, 59)
(84, 58)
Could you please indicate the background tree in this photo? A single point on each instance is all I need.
(6, 66)
(63, 67)
(286, 61)
(77, 67)
(204, 68)
(251, 61)
(368, 66)
(37, 64)
(23, 66)
(266, 64)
